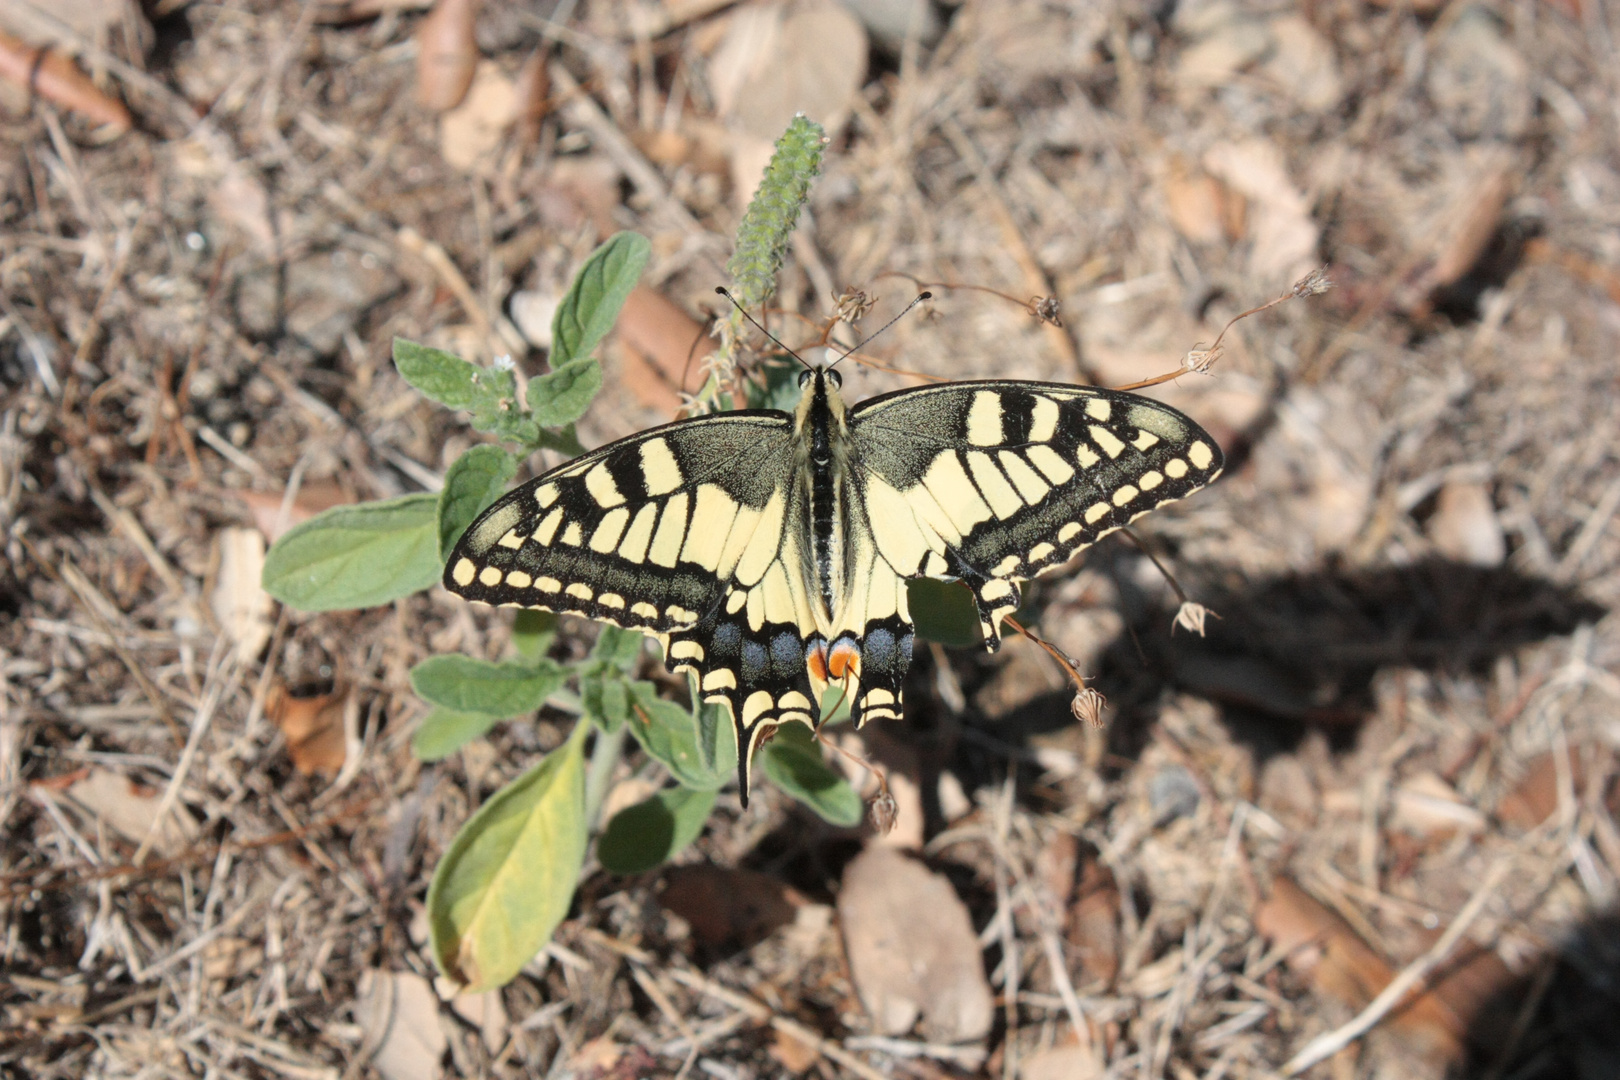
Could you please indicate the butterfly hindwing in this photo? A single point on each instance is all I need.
(996, 482)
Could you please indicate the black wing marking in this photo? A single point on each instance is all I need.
(996, 482)
(683, 531)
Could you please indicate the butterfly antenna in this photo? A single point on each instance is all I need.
(725, 292)
(856, 348)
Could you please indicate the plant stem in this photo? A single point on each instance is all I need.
(604, 756)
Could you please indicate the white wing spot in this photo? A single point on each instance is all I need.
(1150, 480)
(548, 527)
(612, 600)
(1200, 454)
(489, 576)
(644, 610)
(547, 584)
(1096, 512)
(1051, 465)
(1099, 408)
(1125, 495)
(659, 469)
(606, 536)
(1005, 566)
(545, 495)
(599, 482)
(984, 419)
(1041, 551)
(1068, 532)
(1043, 419)
(1175, 468)
(582, 592)
(519, 580)
(464, 573)
(1086, 456)
(1145, 440)
(1107, 440)
(573, 536)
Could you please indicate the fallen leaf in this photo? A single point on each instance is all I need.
(913, 954)
(1071, 1062)
(792, 1054)
(398, 1015)
(238, 198)
(313, 497)
(740, 907)
(1469, 224)
(1094, 924)
(446, 54)
(54, 77)
(1302, 64)
(240, 603)
(1535, 798)
(472, 132)
(313, 728)
(775, 63)
(1282, 233)
(130, 809)
(1227, 44)
(1324, 949)
(1195, 201)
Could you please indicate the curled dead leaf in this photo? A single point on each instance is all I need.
(662, 344)
(54, 77)
(723, 905)
(446, 54)
(313, 727)
(913, 954)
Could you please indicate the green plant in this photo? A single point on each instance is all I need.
(509, 876)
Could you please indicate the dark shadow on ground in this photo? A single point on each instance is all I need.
(1295, 654)
(1561, 1020)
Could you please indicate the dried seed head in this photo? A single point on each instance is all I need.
(1199, 361)
(1087, 706)
(853, 305)
(1191, 616)
(884, 812)
(1313, 284)
(1047, 309)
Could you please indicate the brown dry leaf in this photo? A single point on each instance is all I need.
(240, 603)
(1071, 1062)
(1535, 798)
(1469, 224)
(312, 498)
(1302, 65)
(1464, 527)
(129, 809)
(313, 728)
(532, 91)
(1226, 42)
(399, 1017)
(775, 63)
(735, 906)
(1195, 201)
(1094, 924)
(57, 79)
(1425, 805)
(662, 345)
(1281, 230)
(446, 54)
(239, 198)
(912, 950)
(471, 133)
(792, 1054)
(1325, 949)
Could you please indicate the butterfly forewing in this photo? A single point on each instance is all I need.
(997, 482)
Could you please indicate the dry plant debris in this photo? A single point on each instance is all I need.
(1371, 812)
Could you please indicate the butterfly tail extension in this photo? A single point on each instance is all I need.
(758, 673)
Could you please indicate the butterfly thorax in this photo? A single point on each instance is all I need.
(823, 447)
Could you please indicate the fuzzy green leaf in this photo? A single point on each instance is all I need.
(648, 834)
(467, 684)
(533, 631)
(444, 731)
(943, 611)
(508, 878)
(592, 303)
(562, 395)
(471, 484)
(670, 734)
(794, 763)
(357, 556)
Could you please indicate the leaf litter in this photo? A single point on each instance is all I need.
(1411, 679)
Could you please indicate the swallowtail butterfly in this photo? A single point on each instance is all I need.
(768, 551)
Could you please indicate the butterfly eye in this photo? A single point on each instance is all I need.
(836, 379)
(804, 378)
